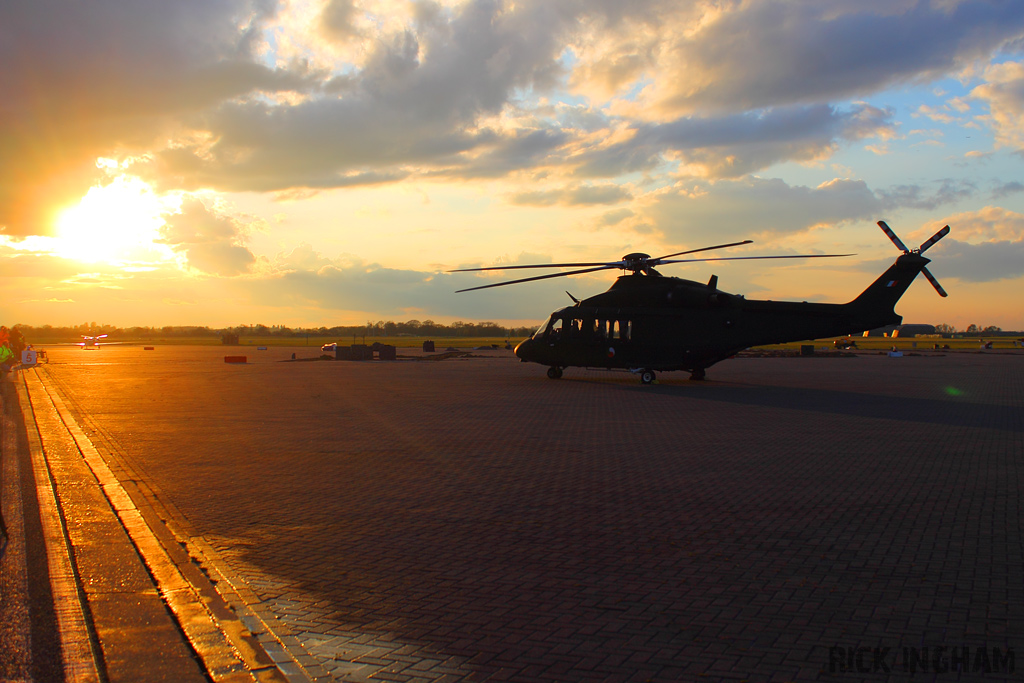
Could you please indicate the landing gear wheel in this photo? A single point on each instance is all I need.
(554, 373)
(697, 374)
(647, 376)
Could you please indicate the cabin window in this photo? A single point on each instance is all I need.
(625, 329)
(576, 326)
(556, 328)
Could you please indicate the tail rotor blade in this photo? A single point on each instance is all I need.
(934, 238)
(892, 236)
(931, 278)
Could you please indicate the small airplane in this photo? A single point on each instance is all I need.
(91, 342)
(648, 323)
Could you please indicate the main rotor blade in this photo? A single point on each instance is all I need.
(694, 251)
(935, 283)
(934, 238)
(892, 235)
(539, 277)
(754, 258)
(609, 264)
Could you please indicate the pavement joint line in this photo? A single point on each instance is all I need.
(172, 583)
(79, 648)
(215, 650)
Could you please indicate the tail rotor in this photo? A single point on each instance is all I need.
(925, 246)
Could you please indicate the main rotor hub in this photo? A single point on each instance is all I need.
(636, 261)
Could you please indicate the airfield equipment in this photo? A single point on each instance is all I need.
(647, 322)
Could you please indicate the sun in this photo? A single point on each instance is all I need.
(114, 223)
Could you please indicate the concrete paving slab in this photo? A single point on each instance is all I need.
(472, 520)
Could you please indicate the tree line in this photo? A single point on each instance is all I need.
(380, 328)
(946, 329)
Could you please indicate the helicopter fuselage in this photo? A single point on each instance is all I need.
(653, 322)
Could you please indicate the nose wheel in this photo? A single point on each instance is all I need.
(647, 376)
(554, 372)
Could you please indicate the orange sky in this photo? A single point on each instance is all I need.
(322, 163)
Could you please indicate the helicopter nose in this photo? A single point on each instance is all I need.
(523, 349)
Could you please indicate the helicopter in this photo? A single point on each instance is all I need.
(647, 322)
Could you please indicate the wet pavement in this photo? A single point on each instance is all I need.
(470, 519)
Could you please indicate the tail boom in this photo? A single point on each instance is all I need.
(876, 305)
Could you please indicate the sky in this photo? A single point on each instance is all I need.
(326, 162)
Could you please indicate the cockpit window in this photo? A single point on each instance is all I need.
(552, 327)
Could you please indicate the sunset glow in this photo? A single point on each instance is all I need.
(113, 224)
(327, 161)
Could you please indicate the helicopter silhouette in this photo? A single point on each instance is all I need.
(648, 323)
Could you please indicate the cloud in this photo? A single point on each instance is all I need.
(81, 81)
(734, 145)
(1006, 189)
(422, 99)
(578, 195)
(240, 95)
(761, 53)
(1004, 94)
(210, 241)
(985, 262)
(735, 209)
(388, 292)
(615, 217)
(946, 191)
(989, 224)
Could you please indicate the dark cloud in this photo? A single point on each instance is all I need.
(754, 206)
(336, 20)
(773, 53)
(417, 100)
(500, 156)
(985, 262)
(942, 192)
(1006, 189)
(731, 146)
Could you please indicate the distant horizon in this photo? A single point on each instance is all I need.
(286, 330)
